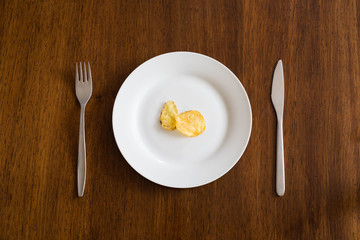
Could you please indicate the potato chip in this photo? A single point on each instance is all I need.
(190, 123)
(167, 116)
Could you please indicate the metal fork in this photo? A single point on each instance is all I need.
(83, 87)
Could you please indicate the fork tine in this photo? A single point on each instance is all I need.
(81, 73)
(76, 73)
(89, 72)
(85, 75)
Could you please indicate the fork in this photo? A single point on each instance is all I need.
(83, 87)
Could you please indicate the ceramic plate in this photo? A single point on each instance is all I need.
(194, 82)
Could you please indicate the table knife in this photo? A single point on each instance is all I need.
(277, 97)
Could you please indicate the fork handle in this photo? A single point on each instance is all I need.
(280, 169)
(81, 165)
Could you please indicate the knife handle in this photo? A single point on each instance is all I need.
(280, 169)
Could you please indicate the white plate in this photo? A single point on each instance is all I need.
(194, 82)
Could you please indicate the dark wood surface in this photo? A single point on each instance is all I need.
(318, 41)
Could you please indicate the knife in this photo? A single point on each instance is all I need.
(277, 97)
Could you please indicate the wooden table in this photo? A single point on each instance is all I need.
(318, 41)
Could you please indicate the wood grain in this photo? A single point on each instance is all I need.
(318, 41)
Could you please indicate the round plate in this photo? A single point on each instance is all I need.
(194, 82)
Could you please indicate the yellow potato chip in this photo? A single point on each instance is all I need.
(167, 116)
(190, 123)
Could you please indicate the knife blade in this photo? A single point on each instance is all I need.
(277, 97)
